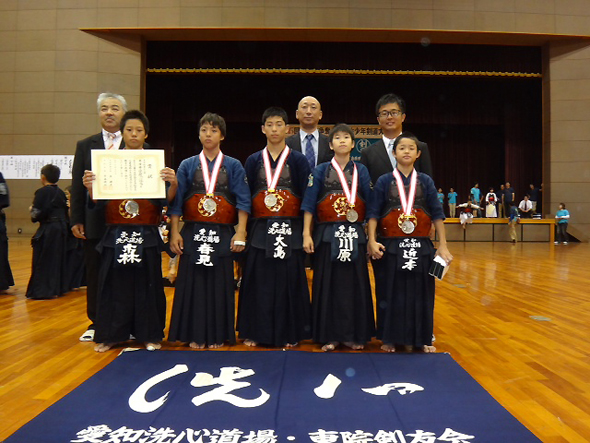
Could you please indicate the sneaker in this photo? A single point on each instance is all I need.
(556, 242)
(88, 335)
(565, 243)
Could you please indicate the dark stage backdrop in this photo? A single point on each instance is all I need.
(485, 129)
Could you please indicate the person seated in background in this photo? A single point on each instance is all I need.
(525, 207)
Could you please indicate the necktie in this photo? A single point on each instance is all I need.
(111, 140)
(391, 155)
(309, 154)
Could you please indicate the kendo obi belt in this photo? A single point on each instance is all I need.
(398, 224)
(209, 209)
(133, 212)
(280, 203)
(335, 208)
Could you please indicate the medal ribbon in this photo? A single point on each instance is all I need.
(210, 181)
(407, 203)
(350, 193)
(272, 180)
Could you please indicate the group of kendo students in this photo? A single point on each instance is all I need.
(270, 213)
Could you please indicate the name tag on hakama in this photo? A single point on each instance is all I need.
(206, 246)
(278, 239)
(345, 243)
(129, 247)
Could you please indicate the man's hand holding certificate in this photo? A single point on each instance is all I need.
(124, 174)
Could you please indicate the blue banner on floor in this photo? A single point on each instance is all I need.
(276, 396)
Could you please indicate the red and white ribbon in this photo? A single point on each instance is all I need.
(407, 202)
(350, 193)
(210, 180)
(272, 180)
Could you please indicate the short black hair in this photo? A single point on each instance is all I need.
(135, 114)
(275, 111)
(391, 98)
(406, 135)
(340, 127)
(51, 173)
(215, 120)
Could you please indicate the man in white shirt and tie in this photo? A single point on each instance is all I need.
(379, 158)
(525, 207)
(89, 224)
(309, 141)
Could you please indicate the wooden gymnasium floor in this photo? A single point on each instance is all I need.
(539, 369)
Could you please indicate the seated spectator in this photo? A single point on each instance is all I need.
(525, 207)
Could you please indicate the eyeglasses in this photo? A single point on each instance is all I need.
(394, 113)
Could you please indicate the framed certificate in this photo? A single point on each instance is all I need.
(124, 174)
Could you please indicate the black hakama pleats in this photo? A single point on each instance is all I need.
(342, 303)
(75, 262)
(131, 299)
(405, 299)
(274, 305)
(49, 274)
(204, 303)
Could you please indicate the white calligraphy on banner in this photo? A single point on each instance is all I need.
(227, 379)
(104, 434)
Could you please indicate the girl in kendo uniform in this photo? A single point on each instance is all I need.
(403, 207)
(131, 299)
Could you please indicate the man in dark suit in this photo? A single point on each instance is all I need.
(379, 158)
(309, 141)
(89, 224)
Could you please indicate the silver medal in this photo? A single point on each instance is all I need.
(408, 227)
(210, 205)
(270, 200)
(352, 216)
(132, 208)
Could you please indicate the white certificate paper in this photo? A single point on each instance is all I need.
(123, 174)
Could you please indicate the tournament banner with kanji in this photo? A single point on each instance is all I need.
(276, 396)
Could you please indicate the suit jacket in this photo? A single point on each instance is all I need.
(377, 161)
(325, 154)
(92, 219)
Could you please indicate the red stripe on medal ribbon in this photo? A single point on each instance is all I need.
(350, 193)
(407, 203)
(272, 180)
(210, 181)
